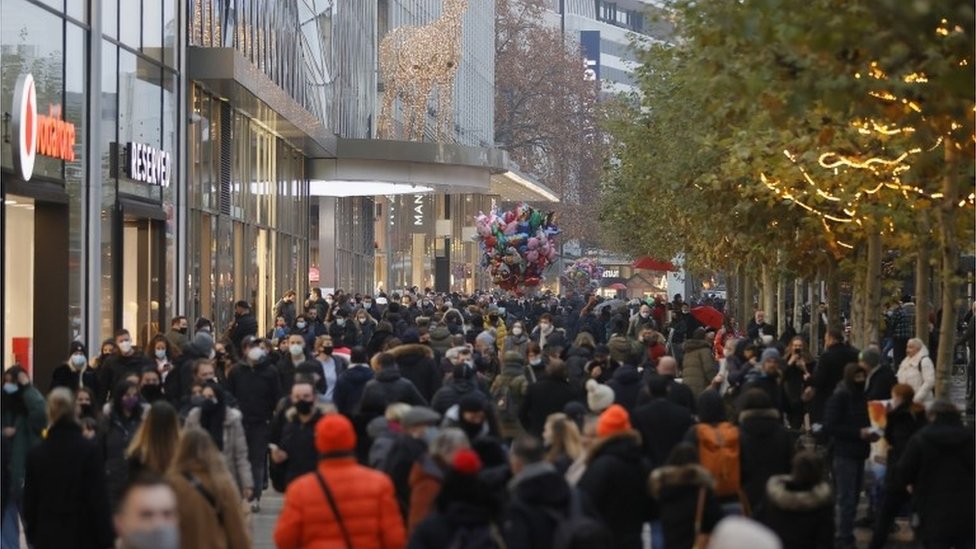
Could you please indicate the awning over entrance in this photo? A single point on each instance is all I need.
(374, 167)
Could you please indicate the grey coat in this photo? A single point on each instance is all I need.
(235, 445)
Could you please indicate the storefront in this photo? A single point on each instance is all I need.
(90, 170)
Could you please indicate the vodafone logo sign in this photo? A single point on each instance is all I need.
(25, 126)
(47, 135)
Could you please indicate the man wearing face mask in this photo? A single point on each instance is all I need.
(292, 440)
(75, 373)
(146, 517)
(288, 364)
(330, 366)
(847, 424)
(316, 302)
(23, 418)
(244, 324)
(256, 386)
(129, 360)
(343, 332)
(176, 336)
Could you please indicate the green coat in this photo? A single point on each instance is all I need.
(28, 435)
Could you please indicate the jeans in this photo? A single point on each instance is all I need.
(10, 532)
(848, 477)
(892, 502)
(257, 453)
(876, 492)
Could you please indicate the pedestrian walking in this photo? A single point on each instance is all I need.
(225, 427)
(23, 419)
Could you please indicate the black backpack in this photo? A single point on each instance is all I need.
(576, 530)
(482, 536)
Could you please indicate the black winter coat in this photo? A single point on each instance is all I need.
(66, 376)
(765, 449)
(297, 439)
(846, 414)
(902, 423)
(118, 431)
(615, 483)
(416, 363)
(662, 424)
(802, 518)
(65, 499)
(879, 383)
(626, 385)
(453, 392)
(245, 325)
(257, 390)
(938, 463)
(539, 497)
(828, 375)
(677, 491)
(548, 396)
(117, 367)
(576, 361)
(458, 524)
(386, 388)
(349, 389)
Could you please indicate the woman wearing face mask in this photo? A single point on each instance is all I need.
(365, 326)
(535, 364)
(516, 340)
(75, 373)
(85, 405)
(160, 352)
(208, 501)
(150, 387)
(224, 424)
(121, 421)
(65, 503)
(23, 419)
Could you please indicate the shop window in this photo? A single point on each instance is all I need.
(18, 287)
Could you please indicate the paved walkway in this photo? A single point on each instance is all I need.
(263, 522)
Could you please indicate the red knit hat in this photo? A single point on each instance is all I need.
(467, 462)
(334, 433)
(613, 420)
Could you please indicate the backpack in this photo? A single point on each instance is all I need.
(575, 529)
(718, 451)
(507, 393)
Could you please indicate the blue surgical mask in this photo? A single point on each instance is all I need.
(77, 360)
(300, 325)
(160, 353)
(10, 388)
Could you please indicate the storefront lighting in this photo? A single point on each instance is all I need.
(344, 188)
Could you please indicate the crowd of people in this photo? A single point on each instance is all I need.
(417, 419)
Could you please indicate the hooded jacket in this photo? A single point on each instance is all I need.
(416, 363)
(548, 396)
(386, 388)
(615, 482)
(349, 389)
(677, 488)
(698, 365)
(626, 385)
(919, 372)
(511, 379)
(440, 339)
(765, 449)
(539, 495)
(662, 424)
(938, 463)
(802, 517)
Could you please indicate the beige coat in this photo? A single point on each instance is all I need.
(235, 445)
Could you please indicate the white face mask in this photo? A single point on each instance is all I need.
(517, 330)
(160, 353)
(125, 346)
(255, 354)
(77, 360)
(296, 349)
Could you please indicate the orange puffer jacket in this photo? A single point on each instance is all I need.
(366, 502)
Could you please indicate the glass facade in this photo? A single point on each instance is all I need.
(248, 214)
(81, 214)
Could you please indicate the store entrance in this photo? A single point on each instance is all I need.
(143, 257)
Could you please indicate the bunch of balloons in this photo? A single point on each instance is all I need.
(582, 275)
(517, 245)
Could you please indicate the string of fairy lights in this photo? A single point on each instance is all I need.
(886, 171)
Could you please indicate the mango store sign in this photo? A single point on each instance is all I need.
(47, 135)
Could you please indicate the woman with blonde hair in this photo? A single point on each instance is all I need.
(211, 513)
(154, 444)
(563, 441)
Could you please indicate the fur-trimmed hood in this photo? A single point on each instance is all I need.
(608, 443)
(412, 350)
(674, 476)
(779, 493)
(769, 413)
(321, 407)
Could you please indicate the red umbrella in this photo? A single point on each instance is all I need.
(617, 286)
(709, 316)
(652, 264)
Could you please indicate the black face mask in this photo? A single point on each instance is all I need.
(304, 407)
(327, 350)
(87, 410)
(152, 392)
(182, 331)
(208, 406)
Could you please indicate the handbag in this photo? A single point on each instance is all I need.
(335, 509)
(701, 538)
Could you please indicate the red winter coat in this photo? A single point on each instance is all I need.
(365, 499)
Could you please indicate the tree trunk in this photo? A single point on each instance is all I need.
(742, 273)
(799, 297)
(780, 304)
(923, 279)
(872, 304)
(945, 217)
(769, 290)
(858, 297)
(748, 299)
(814, 293)
(833, 295)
